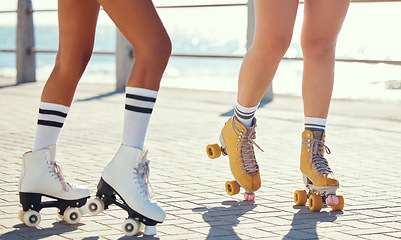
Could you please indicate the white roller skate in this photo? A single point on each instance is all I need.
(41, 176)
(125, 183)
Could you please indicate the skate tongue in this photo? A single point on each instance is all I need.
(57, 170)
(143, 172)
(318, 135)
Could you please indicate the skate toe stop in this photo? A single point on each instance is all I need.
(150, 230)
(331, 200)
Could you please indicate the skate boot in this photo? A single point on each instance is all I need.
(41, 176)
(237, 142)
(317, 175)
(125, 183)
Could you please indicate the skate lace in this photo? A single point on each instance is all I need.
(143, 173)
(55, 170)
(247, 152)
(317, 149)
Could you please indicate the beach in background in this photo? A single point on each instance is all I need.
(370, 32)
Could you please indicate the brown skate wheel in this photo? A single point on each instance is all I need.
(213, 150)
(340, 204)
(232, 188)
(300, 197)
(315, 203)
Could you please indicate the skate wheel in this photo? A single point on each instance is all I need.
(150, 230)
(232, 188)
(130, 227)
(72, 215)
(315, 203)
(94, 206)
(300, 197)
(213, 150)
(31, 218)
(340, 204)
(249, 196)
(21, 214)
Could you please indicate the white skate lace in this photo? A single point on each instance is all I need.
(55, 170)
(247, 151)
(143, 172)
(317, 149)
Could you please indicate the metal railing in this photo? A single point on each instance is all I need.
(25, 50)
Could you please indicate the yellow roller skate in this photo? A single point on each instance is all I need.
(237, 142)
(317, 175)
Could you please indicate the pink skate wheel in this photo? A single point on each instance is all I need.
(249, 196)
(332, 200)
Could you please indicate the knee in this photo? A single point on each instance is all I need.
(154, 53)
(72, 64)
(272, 49)
(318, 47)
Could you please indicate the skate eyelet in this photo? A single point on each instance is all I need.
(308, 150)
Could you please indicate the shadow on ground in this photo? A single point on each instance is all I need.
(100, 96)
(23, 232)
(222, 220)
(304, 222)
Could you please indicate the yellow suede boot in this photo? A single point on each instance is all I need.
(237, 142)
(317, 175)
(313, 163)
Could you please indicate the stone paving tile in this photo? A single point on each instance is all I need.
(364, 138)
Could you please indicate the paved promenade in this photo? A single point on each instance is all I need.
(365, 140)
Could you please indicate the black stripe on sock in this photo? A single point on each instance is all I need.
(141, 98)
(314, 125)
(245, 113)
(138, 109)
(52, 112)
(238, 113)
(50, 123)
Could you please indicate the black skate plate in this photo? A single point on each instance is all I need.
(108, 195)
(34, 201)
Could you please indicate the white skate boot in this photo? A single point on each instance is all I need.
(41, 176)
(125, 183)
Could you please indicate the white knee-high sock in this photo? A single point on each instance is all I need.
(139, 103)
(50, 121)
(245, 114)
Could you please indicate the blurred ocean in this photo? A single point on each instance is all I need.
(223, 31)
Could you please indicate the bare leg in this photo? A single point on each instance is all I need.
(322, 23)
(274, 27)
(77, 24)
(140, 24)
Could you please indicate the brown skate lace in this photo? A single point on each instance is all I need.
(247, 151)
(317, 149)
(56, 169)
(143, 171)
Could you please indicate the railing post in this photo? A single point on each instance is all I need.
(249, 40)
(124, 61)
(26, 66)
